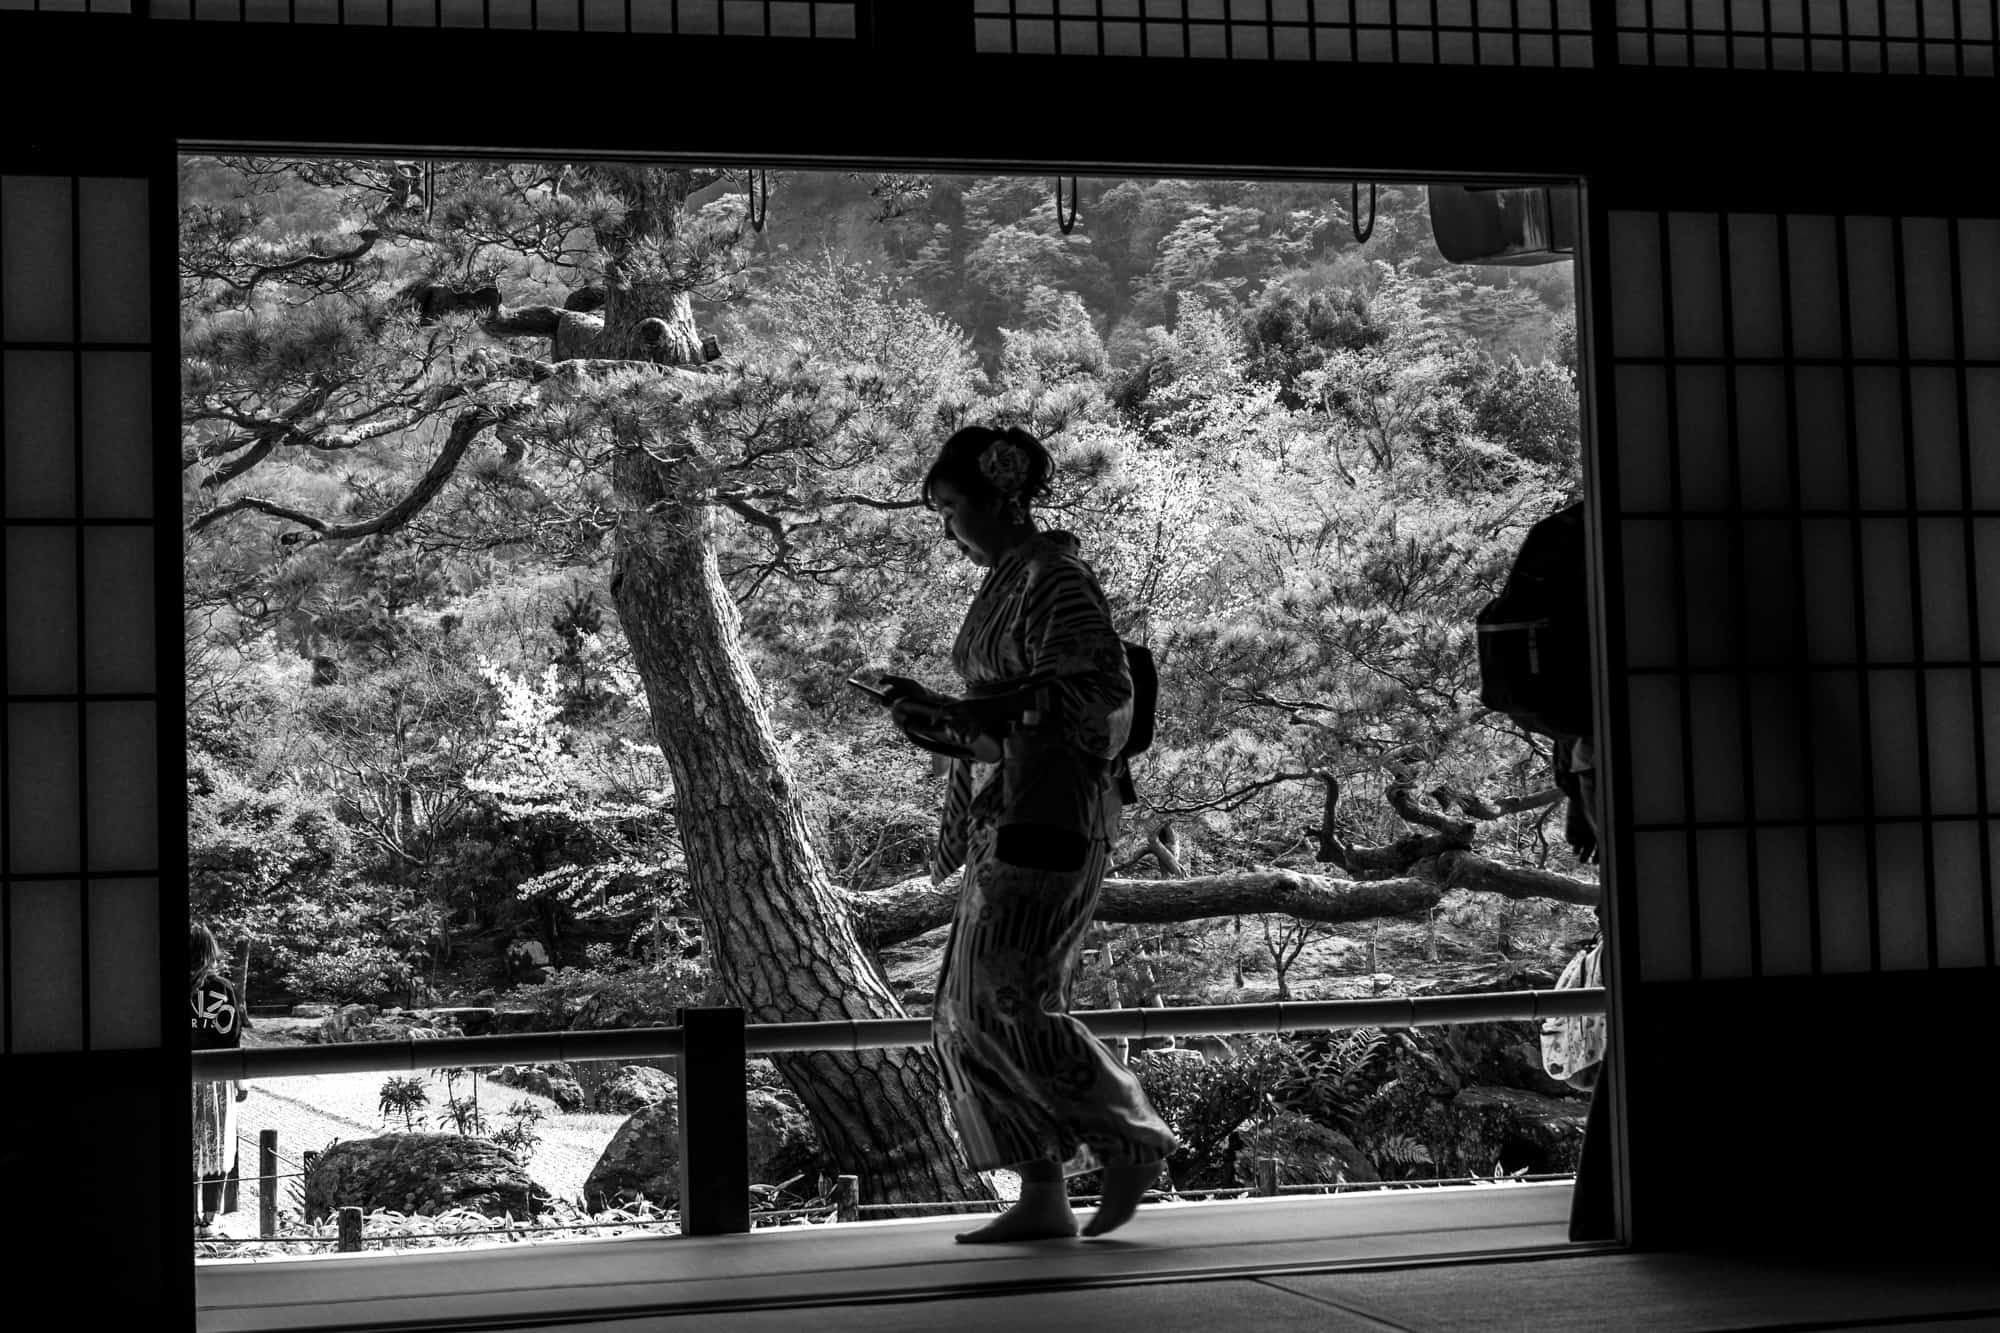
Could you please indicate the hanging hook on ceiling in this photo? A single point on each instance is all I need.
(1361, 233)
(758, 181)
(1068, 224)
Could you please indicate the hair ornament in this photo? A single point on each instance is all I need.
(1004, 464)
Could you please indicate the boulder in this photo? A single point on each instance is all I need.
(643, 1158)
(311, 1010)
(557, 1082)
(632, 1088)
(421, 1174)
(1507, 1055)
(340, 1024)
(1511, 1129)
(642, 1161)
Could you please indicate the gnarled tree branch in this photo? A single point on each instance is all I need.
(463, 431)
(903, 911)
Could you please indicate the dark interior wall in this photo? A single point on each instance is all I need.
(1798, 750)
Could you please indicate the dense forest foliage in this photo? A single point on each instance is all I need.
(1299, 463)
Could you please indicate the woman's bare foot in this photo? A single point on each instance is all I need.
(1039, 1214)
(1124, 1186)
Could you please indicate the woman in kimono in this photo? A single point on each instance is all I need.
(216, 1022)
(1031, 810)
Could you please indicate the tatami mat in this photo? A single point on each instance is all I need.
(867, 1262)
(1470, 1260)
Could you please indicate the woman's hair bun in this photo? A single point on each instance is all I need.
(957, 463)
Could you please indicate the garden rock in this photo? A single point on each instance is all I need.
(632, 1088)
(421, 1174)
(556, 1081)
(1511, 1129)
(643, 1157)
(341, 1024)
(311, 1010)
(641, 1161)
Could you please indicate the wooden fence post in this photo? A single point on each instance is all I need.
(715, 1130)
(350, 1229)
(1267, 1175)
(847, 1198)
(267, 1182)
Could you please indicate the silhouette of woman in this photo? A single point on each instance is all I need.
(1031, 810)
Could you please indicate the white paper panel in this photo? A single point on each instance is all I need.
(1961, 900)
(123, 781)
(45, 966)
(1636, 310)
(1784, 902)
(37, 289)
(119, 647)
(1934, 440)
(1715, 720)
(1763, 439)
(124, 962)
(117, 435)
(1658, 796)
(1708, 482)
(1899, 890)
(1894, 742)
(1756, 301)
(1953, 734)
(41, 610)
(42, 797)
(1946, 610)
(1843, 899)
(1695, 241)
(1723, 885)
(116, 247)
(1662, 890)
(40, 428)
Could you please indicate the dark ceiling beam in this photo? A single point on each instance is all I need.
(1643, 137)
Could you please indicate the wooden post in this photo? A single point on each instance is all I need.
(267, 1182)
(847, 1199)
(350, 1229)
(715, 1131)
(1267, 1175)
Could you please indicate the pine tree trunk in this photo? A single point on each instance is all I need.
(777, 935)
(776, 932)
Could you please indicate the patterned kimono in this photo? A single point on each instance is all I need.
(1027, 1081)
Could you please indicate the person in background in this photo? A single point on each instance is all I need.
(1030, 811)
(216, 1021)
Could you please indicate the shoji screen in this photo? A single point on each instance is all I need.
(1407, 32)
(1827, 36)
(89, 1038)
(1807, 416)
(722, 18)
(82, 847)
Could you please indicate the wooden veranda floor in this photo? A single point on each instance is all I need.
(1471, 1258)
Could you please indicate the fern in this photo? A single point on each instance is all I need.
(1397, 1156)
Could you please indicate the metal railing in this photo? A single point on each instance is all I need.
(711, 1046)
